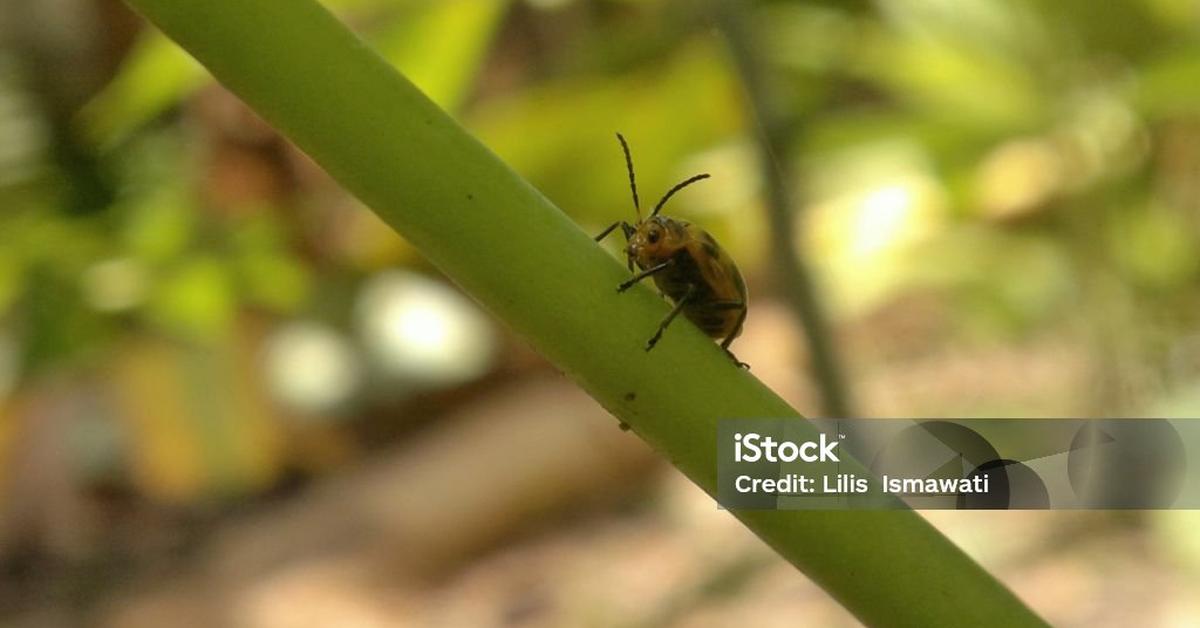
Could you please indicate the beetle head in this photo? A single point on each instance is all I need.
(655, 240)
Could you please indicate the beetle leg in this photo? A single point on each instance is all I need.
(739, 363)
(627, 284)
(737, 330)
(679, 305)
(604, 234)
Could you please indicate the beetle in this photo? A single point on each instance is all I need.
(687, 265)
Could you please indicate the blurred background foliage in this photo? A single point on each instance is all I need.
(1000, 199)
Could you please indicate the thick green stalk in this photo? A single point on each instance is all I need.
(527, 262)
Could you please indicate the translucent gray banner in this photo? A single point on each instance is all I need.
(879, 464)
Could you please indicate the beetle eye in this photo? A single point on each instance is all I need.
(652, 237)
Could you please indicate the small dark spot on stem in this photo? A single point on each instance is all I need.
(624, 426)
(470, 197)
(630, 396)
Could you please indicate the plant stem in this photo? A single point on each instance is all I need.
(527, 262)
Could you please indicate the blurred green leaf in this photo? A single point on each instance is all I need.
(441, 45)
(275, 281)
(195, 300)
(267, 272)
(11, 278)
(1007, 282)
(1156, 247)
(159, 226)
(667, 111)
(1170, 83)
(154, 77)
(959, 84)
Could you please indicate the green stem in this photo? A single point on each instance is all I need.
(527, 262)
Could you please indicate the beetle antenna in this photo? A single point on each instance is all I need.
(632, 181)
(675, 189)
